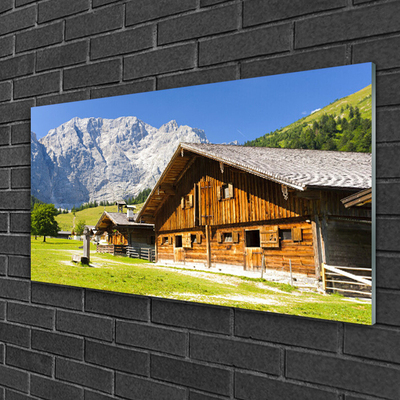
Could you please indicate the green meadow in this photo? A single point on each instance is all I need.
(51, 262)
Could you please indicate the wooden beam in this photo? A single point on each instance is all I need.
(348, 274)
(189, 164)
(208, 247)
(316, 247)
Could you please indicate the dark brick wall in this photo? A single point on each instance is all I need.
(71, 343)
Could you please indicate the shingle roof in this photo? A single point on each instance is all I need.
(297, 168)
(122, 219)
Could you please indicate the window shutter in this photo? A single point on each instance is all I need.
(189, 201)
(219, 193)
(230, 188)
(187, 243)
(199, 238)
(171, 240)
(220, 237)
(269, 237)
(235, 237)
(182, 202)
(297, 235)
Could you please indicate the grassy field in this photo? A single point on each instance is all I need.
(51, 262)
(89, 215)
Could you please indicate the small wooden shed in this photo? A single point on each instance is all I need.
(231, 205)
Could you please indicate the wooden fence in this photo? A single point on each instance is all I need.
(114, 249)
(141, 252)
(350, 281)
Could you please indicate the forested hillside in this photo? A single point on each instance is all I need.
(344, 125)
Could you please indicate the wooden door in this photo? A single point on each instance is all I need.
(205, 202)
(253, 258)
(179, 254)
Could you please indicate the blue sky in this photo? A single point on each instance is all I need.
(235, 110)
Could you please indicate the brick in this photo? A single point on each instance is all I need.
(199, 24)
(151, 337)
(37, 85)
(29, 360)
(5, 91)
(56, 343)
(13, 200)
(117, 358)
(85, 375)
(13, 378)
(63, 98)
(50, 389)
(19, 3)
(258, 11)
(12, 245)
(387, 305)
(386, 93)
(205, 3)
(387, 122)
(387, 234)
(6, 5)
(251, 387)
(134, 388)
(191, 374)
(93, 74)
(16, 66)
(96, 22)
(3, 224)
(99, 3)
(386, 195)
(20, 222)
(373, 343)
(39, 37)
(6, 46)
(89, 395)
(146, 10)
(145, 85)
(301, 332)
(57, 295)
(12, 395)
(274, 39)
(382, 52)
(124, 42)
(62, 56)
(4, 178)
(20, 134)
(358, 376)
(193, 316)
(201, 396)
(160, 61)
(341, 26)
(4, 140)
(16, 111)
(19, 267)
(386, 161)
(387, 272)
(10, 333)
(20, 177)
(31, 315)
(17, 20)
(235, 353)
(2, 310)
(14, 289)
(117, 305)
(199, 77)
(54, 9)
(85, 325)
(335, 56)
(3, 265)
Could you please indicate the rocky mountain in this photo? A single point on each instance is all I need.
(103, 159)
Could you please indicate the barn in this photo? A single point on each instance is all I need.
(237, 206)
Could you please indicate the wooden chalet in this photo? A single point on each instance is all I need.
(121, 229)
(227, 205)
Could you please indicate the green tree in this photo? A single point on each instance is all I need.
(79, 227)
(43, 221)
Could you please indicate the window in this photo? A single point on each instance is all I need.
(152, 239)
(193, 238)
(225, 191)
(228, 237)
(286, 234)
(178, 241)
(164, 240)
(187, 201)
(253, 238)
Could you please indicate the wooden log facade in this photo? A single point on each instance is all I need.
(221, 215)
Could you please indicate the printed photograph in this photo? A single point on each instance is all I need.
(255, 193)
